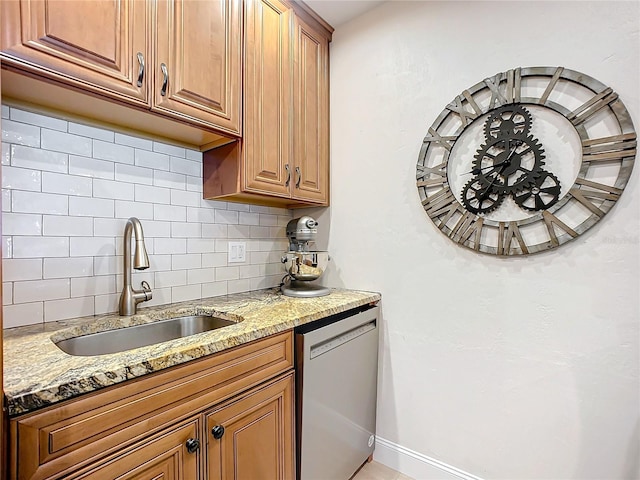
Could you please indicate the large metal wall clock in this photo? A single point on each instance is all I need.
(526, 160)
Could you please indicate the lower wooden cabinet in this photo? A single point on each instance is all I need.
(167, 456)
(250, 439)
(226, 416)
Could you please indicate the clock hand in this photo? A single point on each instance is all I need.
(476, 171)
(485, 194)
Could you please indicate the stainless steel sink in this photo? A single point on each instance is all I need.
(122, 339)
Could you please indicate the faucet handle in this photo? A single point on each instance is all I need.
(146, 289)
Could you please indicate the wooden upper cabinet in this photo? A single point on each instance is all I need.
(283, 157)
(267, 97)
(179, 58)
(311, 113)
(197, 72)
(98, 45)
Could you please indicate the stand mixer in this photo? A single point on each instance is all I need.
(301, 264)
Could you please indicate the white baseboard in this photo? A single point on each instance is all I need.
(416, 465)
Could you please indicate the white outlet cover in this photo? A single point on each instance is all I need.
(237, 252)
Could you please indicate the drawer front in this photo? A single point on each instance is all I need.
(62, 438)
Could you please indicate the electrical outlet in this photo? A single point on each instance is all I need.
(237, 252)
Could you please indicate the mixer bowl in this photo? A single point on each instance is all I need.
(305, 266)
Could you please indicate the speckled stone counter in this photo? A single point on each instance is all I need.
(37, 373)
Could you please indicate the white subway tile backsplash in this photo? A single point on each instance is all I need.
(107, 303)
(186, 261)
(69, 267)
(7, 293)
(158, 161)
(5, 111)
(40, 247)
(68, 190)
(214, 230)
(91, 207)
(170, 213)
(34, 202)
(59, 309)
(170, 279)
(237, 286)
(184, 198)
(126, 209)
(91, 132)
(187, 292)
(131, 141)
(200, 275)
(23, 314)
(66, 184)
(63, 226)
(100, 285)
(169, 149)
(170, 246)
(200, 245)
(227, 273)
(176, 181)
(14, 270)
(112, 189)
(20, 133)
(39, 290)
(186, 230)
(133, 174)
(90, 167)
(226, 216)
(65, 142)
(38, 120)
(108, 227)
(6, 154)
(113, 152)
(21, 179)
(214, 260)
(188, 167)
(156, 195)
(27, 157)
(91, 246)
(246, 218)
(214, 289)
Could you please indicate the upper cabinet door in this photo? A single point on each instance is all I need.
(267, 98)
(311, 114)
(99, 45)
(197, 73)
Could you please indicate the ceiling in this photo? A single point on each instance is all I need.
(337, 12)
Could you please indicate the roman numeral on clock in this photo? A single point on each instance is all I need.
(445, 141)
(607, 149)
(506, 236)
(551, 221)
(468, 225)
(597, 191)
(466, 117)
(592, 106)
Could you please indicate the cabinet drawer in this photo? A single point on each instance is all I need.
(65, 437)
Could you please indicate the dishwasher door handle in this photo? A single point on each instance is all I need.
(338, 340)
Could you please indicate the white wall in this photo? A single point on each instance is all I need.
(68, 189)
(503, 368)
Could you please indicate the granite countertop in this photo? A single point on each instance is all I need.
(37, 373)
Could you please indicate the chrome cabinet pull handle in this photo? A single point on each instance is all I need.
(141, 71)
(165, 82)
(299, 174)
(286, 182)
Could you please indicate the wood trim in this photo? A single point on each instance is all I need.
(62, 438)
(3, 413)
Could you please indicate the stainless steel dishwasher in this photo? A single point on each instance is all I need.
(336, 388)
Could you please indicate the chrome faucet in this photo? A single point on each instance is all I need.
(130, 298)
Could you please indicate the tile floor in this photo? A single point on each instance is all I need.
(378, 471)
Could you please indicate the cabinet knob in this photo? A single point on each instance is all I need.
(193, 444)
(217, 432)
